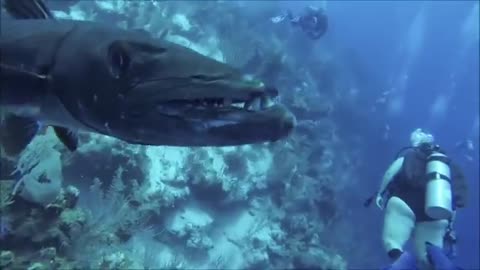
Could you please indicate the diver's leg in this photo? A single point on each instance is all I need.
(428, 231)
(398, 224)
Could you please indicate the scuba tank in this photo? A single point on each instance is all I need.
(438, 197)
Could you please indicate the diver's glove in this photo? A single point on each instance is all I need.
(380, 201)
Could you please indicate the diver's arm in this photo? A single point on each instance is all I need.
(387, 178)
(390, 173)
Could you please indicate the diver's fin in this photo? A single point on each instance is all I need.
(17, 133)
(437, 257)
(406, 261)
(28, 9)
(67, 137)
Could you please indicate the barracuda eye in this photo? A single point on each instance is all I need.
(119, 59)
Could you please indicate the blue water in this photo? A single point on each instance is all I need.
(424, 58)
(429, 53)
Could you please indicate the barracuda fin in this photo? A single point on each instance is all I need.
(28, 9)
(17, 133)
(27, 85)
(67, 137)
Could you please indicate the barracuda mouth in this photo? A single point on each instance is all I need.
(253, 104)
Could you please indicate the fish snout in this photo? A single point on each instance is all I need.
(287, 123)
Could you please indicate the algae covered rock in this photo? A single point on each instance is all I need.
(72, 217)
(6, 187)
(7, 258)
(117, 260)
(317, 258)
(49, 253)
(38, 266)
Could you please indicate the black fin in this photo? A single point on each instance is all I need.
(17, 133)
(28, 9)
(67, 137)
(20, 86)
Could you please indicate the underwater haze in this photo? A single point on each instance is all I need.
(426, 54)
(381, 70)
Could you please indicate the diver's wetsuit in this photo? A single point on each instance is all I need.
(414, 197)
(411, 182)
(409, 185)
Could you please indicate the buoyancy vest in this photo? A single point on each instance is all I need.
(412, 175)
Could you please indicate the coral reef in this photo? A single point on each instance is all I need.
(38, 236)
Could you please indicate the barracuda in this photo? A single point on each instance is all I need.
(75, 76)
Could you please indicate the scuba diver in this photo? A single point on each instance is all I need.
(420, 193)
(314, 21)
(467, 149)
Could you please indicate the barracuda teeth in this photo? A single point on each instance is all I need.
(240, 105)
(248, 104)
(253, 104)
(266, 102)
(256, 104)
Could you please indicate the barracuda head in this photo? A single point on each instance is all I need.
(148, 91)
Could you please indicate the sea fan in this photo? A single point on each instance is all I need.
(110, 209)
(107, 212)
